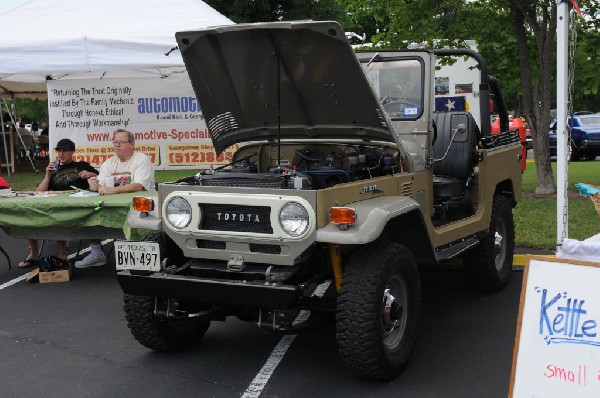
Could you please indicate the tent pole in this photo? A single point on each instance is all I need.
(4, 142)
(562, 142)
(28, 152)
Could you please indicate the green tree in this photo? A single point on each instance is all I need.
(587, 79)
(29, 110)
(247, 11)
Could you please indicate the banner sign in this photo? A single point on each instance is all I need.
(163, 114)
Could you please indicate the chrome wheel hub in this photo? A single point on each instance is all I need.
(499, 243)
(392, 311)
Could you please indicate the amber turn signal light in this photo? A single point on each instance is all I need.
(143, 204)
(342, 215)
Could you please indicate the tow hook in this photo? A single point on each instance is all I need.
(167, 310)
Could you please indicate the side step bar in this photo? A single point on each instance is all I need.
(455, 249)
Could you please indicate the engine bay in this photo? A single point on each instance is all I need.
(295, 165)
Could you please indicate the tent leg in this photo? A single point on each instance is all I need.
(28, 152)
(4, 142)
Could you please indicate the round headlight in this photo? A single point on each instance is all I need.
(293, 218)
(178, 212)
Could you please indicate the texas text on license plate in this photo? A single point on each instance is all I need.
(141, 256)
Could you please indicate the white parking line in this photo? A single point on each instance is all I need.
(12, 282)
(257, 385)
(24, 276)
(260, 381)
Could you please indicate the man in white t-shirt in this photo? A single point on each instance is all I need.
(127, 171)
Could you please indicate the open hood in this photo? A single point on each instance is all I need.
(296, 79)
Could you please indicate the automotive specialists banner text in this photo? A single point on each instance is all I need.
(163, 114)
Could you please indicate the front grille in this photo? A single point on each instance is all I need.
(221, 217)
(267, 249)
(242, 180)
(210, 244)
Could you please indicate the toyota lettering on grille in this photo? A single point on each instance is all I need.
(238, 217)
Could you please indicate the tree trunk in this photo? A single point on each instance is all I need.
(537, 98)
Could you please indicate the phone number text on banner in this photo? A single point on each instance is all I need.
(195, 154)
(97, 154)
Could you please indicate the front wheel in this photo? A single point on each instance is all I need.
(378, 310)
(488, 265)
(160, 335)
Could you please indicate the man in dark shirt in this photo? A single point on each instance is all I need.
(68, 174)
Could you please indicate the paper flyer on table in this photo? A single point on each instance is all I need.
(83, 194)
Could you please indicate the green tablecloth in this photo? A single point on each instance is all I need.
(63, 217)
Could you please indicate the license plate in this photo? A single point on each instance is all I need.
(139, 256)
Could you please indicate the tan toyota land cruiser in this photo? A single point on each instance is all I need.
(344, 183)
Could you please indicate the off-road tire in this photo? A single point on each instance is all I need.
(487, 266)
(160, 335)
(369, 345)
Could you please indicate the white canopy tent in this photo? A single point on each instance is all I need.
(58, 39)
(64, 39)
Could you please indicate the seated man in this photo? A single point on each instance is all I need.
(126, 171)
(68, 174)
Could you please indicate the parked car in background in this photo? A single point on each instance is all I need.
(519, 124)
(585, 136)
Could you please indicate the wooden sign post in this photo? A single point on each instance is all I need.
(557, 345)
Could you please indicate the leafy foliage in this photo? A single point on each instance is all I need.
(28, 110)
(248, 11)
(587, 96)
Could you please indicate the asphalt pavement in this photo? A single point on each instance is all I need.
(71, 340)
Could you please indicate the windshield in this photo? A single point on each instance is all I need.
(398, 85)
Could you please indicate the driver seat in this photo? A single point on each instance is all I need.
(453, 159)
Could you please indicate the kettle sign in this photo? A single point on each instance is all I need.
(557, 344)
(563, 319)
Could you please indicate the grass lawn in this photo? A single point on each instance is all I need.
(535, 218)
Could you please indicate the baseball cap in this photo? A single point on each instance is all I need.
(66, 143)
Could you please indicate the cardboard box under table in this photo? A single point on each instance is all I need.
(63, 275)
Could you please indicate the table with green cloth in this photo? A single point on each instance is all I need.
(64, 217)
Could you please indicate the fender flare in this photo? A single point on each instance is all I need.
(372, 216)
